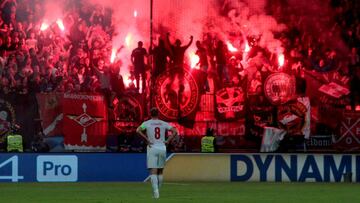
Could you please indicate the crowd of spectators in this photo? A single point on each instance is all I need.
(323, 38)
(327, 41)
(36, 58)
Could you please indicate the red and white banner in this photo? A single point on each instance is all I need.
(294, 117)
(85, 122)
(50, 111)
(334, 90)
(271, 139)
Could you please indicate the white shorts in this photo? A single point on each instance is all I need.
(156, 156)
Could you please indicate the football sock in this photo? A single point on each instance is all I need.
(160, 179)
(154, 182)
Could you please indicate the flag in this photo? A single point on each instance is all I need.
(348, 136)
(50, 111)
(85, 122)
(271, 139)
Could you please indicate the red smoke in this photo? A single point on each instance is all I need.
(182, 19)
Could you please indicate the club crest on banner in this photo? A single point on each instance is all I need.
(84, 120)
(279, 88)
(230, 103)
(176, 94)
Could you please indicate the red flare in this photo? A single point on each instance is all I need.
(194, 60)
(113, 55)
(231, 48)
(60, 24)
(281, 60)
(247, 47)
(44, 26)
(128, 40)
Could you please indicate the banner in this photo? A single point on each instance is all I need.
(294, 117)
(50, 111)
(177, 95)
(230, 103)
(348, 136)
(85, 122)
(271, 139)
(128, 113)
(334, 90)
(279, 88)
(328, 90)
(258, 118)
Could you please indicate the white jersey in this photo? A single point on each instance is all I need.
(155, 130)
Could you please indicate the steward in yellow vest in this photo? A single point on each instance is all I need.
(208, 141)
(14, 143)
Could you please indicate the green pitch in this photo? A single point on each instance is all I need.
(179, 192)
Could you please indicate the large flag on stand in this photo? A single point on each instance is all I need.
(85, 122)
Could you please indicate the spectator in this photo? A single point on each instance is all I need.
(138, 60)
(178, 51)
(208, 142)
(161, 55)
(221, 53)
(203, 62)
(104, 78)
(31, 42)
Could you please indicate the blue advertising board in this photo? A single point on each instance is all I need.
(88, 167)
(72, 167)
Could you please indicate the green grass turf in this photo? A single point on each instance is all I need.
(181, 192)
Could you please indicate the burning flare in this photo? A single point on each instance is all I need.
(44, 26)
(128, 80)
(113, 55)
(135, 13)
(247, 47)
(194, 60)
(281, 59)
(231, 48)
(128, 40)
(60, 24)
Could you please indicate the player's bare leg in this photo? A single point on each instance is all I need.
(154, 182)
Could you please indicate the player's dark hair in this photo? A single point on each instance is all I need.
(154, 112)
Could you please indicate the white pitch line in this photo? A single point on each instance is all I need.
(181, 184)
